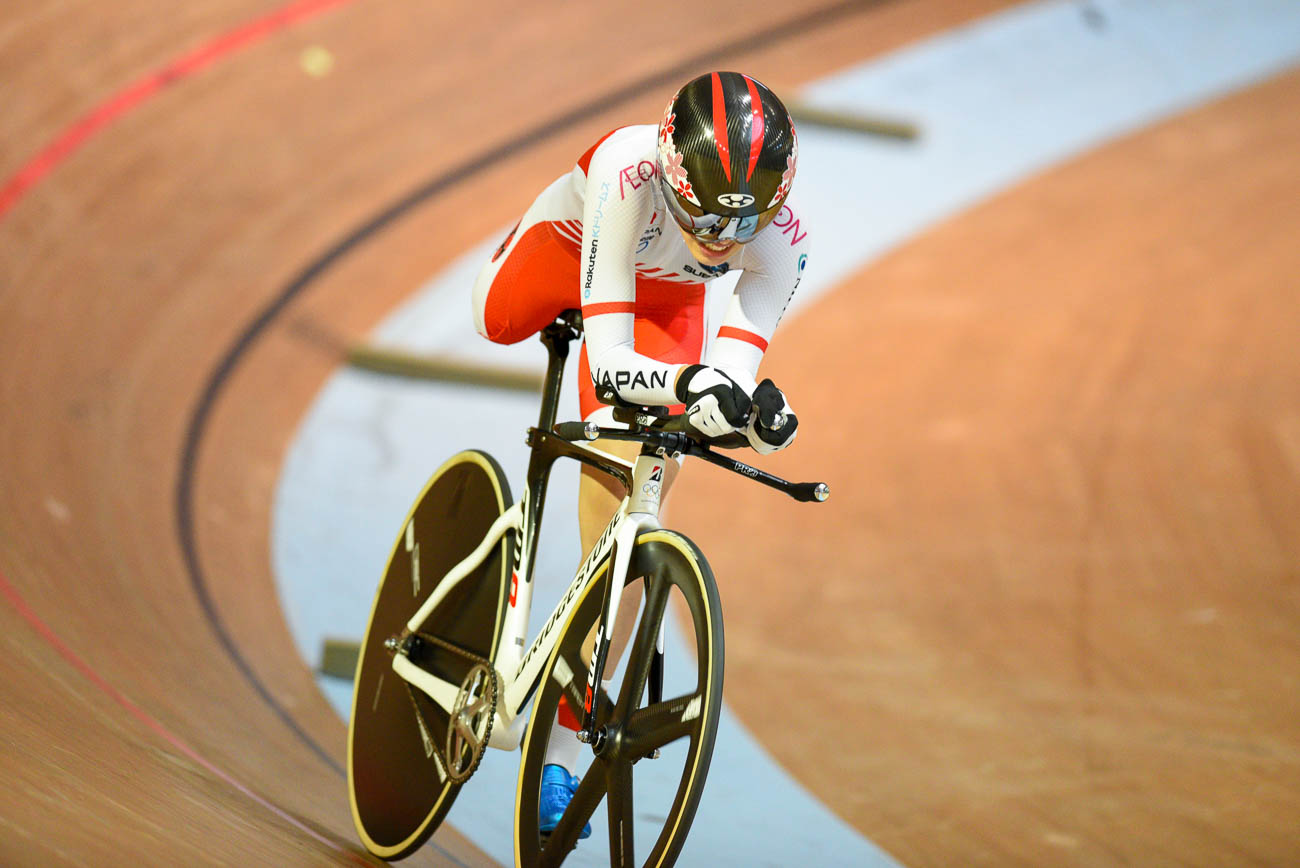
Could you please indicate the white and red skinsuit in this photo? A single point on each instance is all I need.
(598, 238)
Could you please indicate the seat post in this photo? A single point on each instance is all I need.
(557, 336)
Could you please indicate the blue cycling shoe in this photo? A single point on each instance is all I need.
(558, 787)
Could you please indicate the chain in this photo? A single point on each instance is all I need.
(426, 736)
(447, 765)
(455, 649)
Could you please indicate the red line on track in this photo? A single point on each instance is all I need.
(79, 131)
(46, 633)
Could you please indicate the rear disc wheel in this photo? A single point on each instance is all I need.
(398, 781)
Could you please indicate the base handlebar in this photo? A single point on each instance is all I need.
(577, 430)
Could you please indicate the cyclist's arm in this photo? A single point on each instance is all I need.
(613, 216)
(773, 268)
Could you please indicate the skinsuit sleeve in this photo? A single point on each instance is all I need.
(773, 268)
(611, 224)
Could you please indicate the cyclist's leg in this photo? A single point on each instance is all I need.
(598, 498)
(670, 327)
(533, 276)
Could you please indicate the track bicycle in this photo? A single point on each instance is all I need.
(444, 673)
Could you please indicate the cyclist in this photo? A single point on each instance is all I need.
(632, 236)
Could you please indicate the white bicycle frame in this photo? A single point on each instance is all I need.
(519, 671)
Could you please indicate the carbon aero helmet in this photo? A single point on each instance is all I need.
(727, 155)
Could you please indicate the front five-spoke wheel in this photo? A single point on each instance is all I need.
(647, 762)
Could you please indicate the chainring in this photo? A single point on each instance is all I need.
(470, 724)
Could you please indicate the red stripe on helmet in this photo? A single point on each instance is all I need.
(720, 125)
(756, 128)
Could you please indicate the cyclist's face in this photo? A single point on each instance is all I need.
(709, 252)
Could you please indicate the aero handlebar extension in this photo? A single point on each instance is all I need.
(672, 435)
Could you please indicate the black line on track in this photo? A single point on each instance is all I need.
(429, 189)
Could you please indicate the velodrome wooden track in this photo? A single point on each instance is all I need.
(1050, 616)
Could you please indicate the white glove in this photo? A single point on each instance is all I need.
(774, 425)
(715, 404)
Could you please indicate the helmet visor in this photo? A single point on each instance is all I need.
(716, 227)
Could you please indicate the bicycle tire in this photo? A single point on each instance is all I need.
(667, 561)
(397, 796)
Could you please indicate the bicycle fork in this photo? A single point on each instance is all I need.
(643, 512)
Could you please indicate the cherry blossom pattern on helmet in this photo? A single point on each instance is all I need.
(787, 177)
(670, 162)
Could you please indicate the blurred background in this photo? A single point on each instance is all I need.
(1046, 354)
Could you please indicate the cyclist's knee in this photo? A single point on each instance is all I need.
(492, 309)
